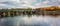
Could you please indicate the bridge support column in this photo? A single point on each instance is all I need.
(31, 13)
(53, 12)
(25, 13)
(17, 13)
(4, 14)
(8, 13)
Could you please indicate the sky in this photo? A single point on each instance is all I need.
(27, 3)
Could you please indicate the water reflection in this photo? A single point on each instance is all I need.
(30, 20)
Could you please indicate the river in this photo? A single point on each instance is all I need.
(30, 20)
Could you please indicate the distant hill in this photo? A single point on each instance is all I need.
(51, 8)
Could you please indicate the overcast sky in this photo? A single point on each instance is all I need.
(27, 3)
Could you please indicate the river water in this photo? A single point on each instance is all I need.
(31, 20)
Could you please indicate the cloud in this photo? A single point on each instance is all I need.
(41, 4)
(18, 3)
(44, 3)
(28, 3)
(3, 0)
(3, 4)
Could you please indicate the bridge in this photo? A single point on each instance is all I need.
(9, 13)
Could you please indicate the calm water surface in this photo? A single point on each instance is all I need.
(31, 20)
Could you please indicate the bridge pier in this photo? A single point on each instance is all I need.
(9, 14)
(25, 12)
(31, 12)
(17, 13)
(12, 14)
(4, 14)
(54, 13)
